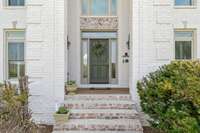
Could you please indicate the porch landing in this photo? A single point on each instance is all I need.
(100, 113)
(103, 91)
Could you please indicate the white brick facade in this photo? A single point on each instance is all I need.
(151, 24)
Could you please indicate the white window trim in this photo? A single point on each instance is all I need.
(89, 10)
(6, 77)
(185, 39)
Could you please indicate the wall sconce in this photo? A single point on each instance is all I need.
(128, 42)
(68, 42)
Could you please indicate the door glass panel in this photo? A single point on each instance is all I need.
(99, 7)
(114, 57)
(84, 59)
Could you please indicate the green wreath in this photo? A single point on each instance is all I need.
(98, 49)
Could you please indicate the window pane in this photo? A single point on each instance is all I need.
(114, 7)
(183, 50)
(183, 2)
(22, 70)
(16, 2)
(12, 70)
(16, 51)
(99, 7)
(85, 7)
(181, 34)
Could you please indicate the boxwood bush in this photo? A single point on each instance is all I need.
(171, 97)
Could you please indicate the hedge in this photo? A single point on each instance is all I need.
(171, 97)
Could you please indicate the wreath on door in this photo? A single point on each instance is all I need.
(98, 49)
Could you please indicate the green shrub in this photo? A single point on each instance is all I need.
(62, 110)
(1, 84)
(15, 117)
(171, 97)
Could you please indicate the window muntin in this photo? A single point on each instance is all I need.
(184, 2)
(15, 2)
(99, 7)
(15, 54)
(183, 45)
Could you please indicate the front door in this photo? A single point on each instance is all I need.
(99, 61)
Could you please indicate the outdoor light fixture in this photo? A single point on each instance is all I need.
(68, 42)
(128, 42)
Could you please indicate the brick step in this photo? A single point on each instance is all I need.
(100, 125)
(97, 132)
(103, 114)
(103, 104)
(116, 97)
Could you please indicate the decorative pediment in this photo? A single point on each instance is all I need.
(99, 23)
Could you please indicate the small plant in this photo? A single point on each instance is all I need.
(62, 115)
(62, 110)
(71, 82)
(70, 87)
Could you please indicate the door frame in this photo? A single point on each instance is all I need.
(111, 80)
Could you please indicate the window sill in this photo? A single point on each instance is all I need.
(13, 81)
(98, 16)
(14, 7)
(185, 7)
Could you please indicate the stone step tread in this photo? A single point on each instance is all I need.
(100, 125)
(114, 111)
(103, 114)
(99, 97)
(98, 102)
(97, 132)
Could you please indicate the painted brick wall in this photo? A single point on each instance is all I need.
(153, 24)
(46, 55)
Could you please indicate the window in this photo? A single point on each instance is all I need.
(99, 7)
(184, 2)
(15, 54)
(184, 45)
(15, 2)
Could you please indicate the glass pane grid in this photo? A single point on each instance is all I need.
(99, 7)
(183, 2)
(16, 2)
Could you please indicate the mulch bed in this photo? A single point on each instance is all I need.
(151, 130)
(45, 129)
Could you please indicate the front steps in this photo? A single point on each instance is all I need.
(103, 113)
